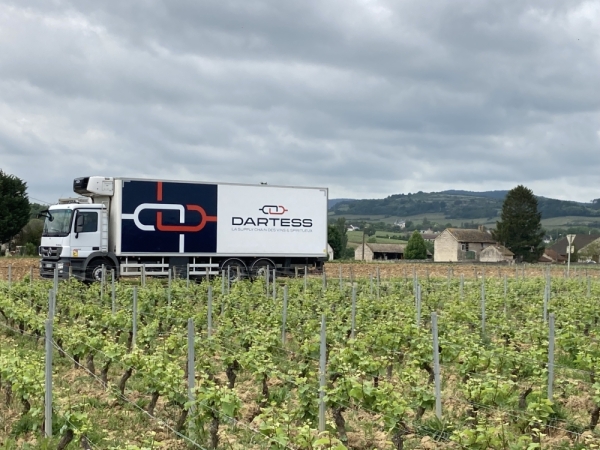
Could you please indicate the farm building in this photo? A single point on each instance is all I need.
(456, 244)
(495, 254)
(379, 251)
(550, 256)
(587, 247)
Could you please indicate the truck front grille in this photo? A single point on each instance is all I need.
(50, 252)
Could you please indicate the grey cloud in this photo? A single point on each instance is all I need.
(369, 97)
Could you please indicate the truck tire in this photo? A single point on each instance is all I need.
(233, 266)
(258, 267)
(93, 272)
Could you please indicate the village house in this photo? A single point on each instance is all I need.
(457, 244)
(551, 257)
(496, 254)
(586, 247)
(379, 252)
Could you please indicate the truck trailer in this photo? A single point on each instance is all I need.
(134, 226)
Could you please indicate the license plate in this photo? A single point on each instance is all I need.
(48, 266)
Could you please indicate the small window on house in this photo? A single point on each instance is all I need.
(482, 245)
(463, 247)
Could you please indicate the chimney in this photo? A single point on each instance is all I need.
(481, 228)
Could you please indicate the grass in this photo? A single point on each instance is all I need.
(355, 237)
(556, 222)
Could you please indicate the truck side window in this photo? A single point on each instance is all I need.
(90, 221)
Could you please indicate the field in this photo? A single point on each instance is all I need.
(548, 224)
(22, 267)
(355, 237)
(120, 383)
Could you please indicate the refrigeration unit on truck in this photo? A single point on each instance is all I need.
(133, 225)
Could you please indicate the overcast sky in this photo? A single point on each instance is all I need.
(366, 97)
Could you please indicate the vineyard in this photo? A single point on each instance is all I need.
(368, 362)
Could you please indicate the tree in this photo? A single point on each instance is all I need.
(31, 233)
(520, 225)
(369, 229)
(14, 206)
(416, 248)
(335, 240)
(430, 247)
(35, 209)
(337, 237)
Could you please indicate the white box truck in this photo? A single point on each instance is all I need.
(133, 225)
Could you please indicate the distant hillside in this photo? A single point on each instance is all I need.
(489, 194)
(456, 204)
(334, 201)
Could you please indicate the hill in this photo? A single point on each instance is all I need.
(490, 194)
(334, 201)
(456, 205)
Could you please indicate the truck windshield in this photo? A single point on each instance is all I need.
(58, 223)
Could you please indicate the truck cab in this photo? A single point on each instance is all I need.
(75, 240)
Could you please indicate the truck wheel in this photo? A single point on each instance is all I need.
(235, 267)
(260, 266)
(93, 272)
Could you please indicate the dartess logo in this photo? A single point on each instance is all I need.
(182, 228)
(273, 210)
(278, 222)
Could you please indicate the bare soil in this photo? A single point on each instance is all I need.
(20, 267)
(400, 269)
(387, 269)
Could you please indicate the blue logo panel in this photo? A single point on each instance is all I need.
(167, 217)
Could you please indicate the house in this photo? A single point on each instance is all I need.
(382, 252)
(379, 251)
(457, 244)
(551, 257)
(590, 252)
(429, 237)
(496, 254)
(584, 246)
(353, 228)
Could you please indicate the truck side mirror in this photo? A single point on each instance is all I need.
(79, 225)
(45, 213)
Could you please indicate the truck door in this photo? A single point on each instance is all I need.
(86, 233)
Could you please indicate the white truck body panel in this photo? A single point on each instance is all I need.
(251, 220)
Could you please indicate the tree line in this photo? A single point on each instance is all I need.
(19, 225)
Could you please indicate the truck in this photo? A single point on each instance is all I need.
(130, 227)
